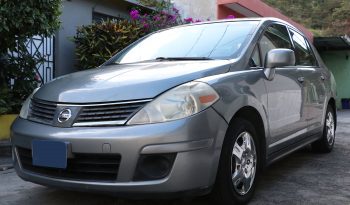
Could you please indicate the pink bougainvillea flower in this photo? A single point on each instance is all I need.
(143, 19)
(172, 17)
(230, 17)
(188, 20)
(156, 18)
(135, 14)
(164, 13)
(146, 25)
(162, 19)
(175, 10)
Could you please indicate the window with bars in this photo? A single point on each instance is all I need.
(98, 17)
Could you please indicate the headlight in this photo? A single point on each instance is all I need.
(180, 102)
(25, 107)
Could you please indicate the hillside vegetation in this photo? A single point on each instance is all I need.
(322, 17)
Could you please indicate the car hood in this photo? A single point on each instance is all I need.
(127, 81)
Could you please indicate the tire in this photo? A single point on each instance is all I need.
(234, 172)
(326, 143)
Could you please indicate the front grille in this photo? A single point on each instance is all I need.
(42, 111)
(117, 113)
(85, 114)
(87, 167)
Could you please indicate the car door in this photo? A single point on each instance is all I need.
(313, 85)
(286, 113)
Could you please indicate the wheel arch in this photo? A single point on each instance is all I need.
(252, 115)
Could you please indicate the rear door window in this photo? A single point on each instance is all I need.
(303, 54)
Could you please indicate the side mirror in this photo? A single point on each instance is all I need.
(278, 58)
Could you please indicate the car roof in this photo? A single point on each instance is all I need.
(262, 20)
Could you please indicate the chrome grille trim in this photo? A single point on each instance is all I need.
(103, 104)
(108, 113)
(42, 111)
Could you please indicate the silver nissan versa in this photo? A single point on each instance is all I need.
(188, 110)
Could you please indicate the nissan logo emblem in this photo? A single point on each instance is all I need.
(64, 115)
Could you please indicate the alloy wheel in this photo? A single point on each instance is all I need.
(330, 128)
(243, 163)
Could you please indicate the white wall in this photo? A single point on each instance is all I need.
(197, 9)
(77, 13)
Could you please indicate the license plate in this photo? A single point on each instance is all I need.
(48, 153)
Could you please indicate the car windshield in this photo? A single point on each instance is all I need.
(224, 40)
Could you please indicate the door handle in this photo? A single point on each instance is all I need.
(301, 79)
(322, 77)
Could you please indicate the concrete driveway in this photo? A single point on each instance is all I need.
(302, 178)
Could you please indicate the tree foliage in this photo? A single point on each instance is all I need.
(20, 80)
(20, 20)
(323, 18)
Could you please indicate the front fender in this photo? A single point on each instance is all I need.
(240, 89)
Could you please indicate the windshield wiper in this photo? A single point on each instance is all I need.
(165, 59)
(183, 58)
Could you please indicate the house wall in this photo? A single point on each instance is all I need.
(339, 64)
(197, 9)
(77, 13)
(224, 12)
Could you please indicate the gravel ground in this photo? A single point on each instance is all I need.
(302, 178)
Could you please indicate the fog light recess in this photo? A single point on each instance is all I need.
(154, 166)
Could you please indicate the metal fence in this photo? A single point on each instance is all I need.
(44, 46)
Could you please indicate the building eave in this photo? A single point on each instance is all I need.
(332, 43)
(136, 2)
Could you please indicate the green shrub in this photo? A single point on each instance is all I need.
(98, 42)
(20, 70)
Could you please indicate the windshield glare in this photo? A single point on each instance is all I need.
(214, 40)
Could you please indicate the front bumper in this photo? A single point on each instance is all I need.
(197, 141)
